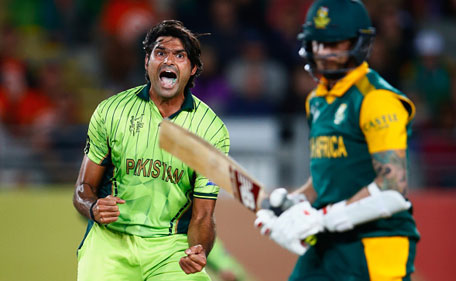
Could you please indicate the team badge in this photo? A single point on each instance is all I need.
(314, 111)
(340, 114)
(322, 19)
(136, 124)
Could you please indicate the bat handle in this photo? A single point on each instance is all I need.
(285, 205)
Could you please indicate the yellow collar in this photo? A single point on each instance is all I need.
(343, 84)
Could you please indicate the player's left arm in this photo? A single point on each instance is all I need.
(201, 231)
(201, 236)
(391, 169)
(383, 120)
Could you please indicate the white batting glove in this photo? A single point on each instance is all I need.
(295, 246)
(264, 221)
(336, 218)
(280, 198)
(295, 224)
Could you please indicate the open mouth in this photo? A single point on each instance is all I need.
(168, 78)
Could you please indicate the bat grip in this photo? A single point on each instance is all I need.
(285, 205)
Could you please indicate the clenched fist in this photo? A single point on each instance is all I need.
(106, 209)
(195, 260)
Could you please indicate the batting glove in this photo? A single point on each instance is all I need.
(264, 221)
(296, 224)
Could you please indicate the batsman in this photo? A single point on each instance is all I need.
(355, 202)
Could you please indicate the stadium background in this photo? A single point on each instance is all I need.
(59, 58)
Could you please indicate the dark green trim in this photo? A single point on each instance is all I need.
(106, 184)
(184, 221)
(205, 195)
(144, 93)
(187, 105)
(184, 210)
(89, 227)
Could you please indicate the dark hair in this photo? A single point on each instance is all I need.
(175, 28)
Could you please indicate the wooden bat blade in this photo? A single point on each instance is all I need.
(205, 159)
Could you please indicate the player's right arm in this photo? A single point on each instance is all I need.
(308, 190)
(85, 200)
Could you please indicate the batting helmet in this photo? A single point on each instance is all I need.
(333, 21)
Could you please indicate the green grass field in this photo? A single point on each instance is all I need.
(40, 234)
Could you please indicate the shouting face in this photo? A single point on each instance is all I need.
(168, 68)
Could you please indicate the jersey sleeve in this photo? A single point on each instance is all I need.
(383, 120)
(97, 148)
(204, 188)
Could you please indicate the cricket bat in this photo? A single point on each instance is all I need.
(207, 160)
(210, 162)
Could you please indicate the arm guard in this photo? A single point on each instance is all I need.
(380, 204)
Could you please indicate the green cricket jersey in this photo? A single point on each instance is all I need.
(157, 187)
(362, 114)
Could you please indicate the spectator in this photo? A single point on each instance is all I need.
(211, 86)
(28, 115)
(124, 24)
(428, 79)
(25, 106)
(395, 28)
(301, 84)
(225, 30)
(258, 81)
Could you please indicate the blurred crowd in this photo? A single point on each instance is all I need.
(60, 58)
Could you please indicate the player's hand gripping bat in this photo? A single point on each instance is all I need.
(217, 167)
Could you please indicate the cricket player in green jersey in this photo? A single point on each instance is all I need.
(354, 204)
(151, 216)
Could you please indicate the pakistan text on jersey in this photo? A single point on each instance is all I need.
(327, 147)
(155, 169)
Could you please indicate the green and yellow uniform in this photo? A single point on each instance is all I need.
(157, 187)
(361, 115)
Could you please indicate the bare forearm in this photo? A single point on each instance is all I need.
(85, 192)
(201, 235)
(391, 169)
(83, 198)
(308, 190)
(202, 232)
